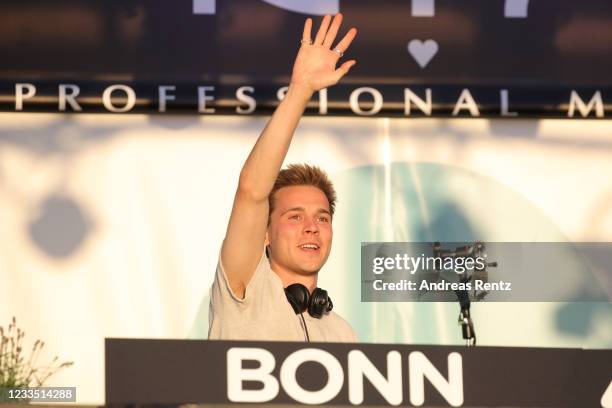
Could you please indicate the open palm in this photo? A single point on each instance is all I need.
(315, 64)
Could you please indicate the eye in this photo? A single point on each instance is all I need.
(296, 217)
(323, 219)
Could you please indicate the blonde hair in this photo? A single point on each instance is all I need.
(304, 175)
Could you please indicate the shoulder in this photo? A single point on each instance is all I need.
(344, 329)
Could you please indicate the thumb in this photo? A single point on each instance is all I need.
(343, 69)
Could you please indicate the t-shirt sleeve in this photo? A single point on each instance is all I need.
(221, 293)
(348, 334)
(354, 338)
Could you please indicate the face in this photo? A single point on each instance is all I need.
(300, 231)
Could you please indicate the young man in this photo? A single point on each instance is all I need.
(280, 231)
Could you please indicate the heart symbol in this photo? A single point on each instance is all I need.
(422, 51)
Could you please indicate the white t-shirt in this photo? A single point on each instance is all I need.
(265, 313)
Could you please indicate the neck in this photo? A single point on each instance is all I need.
(289, 277)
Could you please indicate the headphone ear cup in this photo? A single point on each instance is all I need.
(330, 305)
(298, 297)
(320, 303)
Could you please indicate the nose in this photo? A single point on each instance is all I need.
(311, 226)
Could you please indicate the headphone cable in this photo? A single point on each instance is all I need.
(305, 327)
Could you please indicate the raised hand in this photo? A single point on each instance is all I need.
(315, 64)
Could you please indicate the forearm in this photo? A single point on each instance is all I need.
(266, 158)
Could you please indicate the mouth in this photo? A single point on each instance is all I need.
(310, 247)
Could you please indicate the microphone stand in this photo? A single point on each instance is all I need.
(465, 321)
(469, 251)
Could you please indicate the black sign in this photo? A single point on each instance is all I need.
(469, 58)
(222, 372)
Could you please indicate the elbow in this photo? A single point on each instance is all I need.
(248, 188)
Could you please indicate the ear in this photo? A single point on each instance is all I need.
(267, 245)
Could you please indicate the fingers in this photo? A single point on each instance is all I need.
(347, 40)
(322, 30)
(306, 35)
(343, 70)
(347, 65)
(333, 31)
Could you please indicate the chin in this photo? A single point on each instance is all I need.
(310, 269)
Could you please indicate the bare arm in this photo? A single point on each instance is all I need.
(314, 69)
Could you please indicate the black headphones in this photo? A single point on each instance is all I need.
(300, 300)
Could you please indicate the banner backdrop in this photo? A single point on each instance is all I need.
(469, 58)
